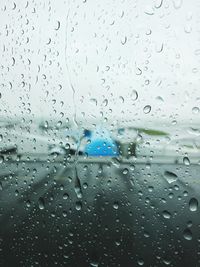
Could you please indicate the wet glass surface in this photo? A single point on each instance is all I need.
(126, 215)
(99, 133)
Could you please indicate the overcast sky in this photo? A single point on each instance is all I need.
(103, 52)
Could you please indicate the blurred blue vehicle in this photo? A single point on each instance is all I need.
(100, 144)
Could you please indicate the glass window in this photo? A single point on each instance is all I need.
(100, 133)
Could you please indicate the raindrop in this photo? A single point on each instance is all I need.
(124, 40)
(116, 205)
(166, 214)
(159, 98)
(149, 10)
(57, 26)
(187, 29)
(125, 171)
(148, 32)
(41, 203)
(159, 48)
(193, 204)
(134, 95)
(105, 102)
(170, 177)
(78, 205)
(116, 162)
(186, 161)
(177, 3)
(1, 159)
(46, 124)
(77, 186)
(166, 262)
(94, 264)
(138, 71)
(28, 203)
(65, 196)
(85, 185)
(117, 242)
(13, 61)
(187, 234)
(93, 101)
(147, 109)
(158, 3)
(121, 99)
(195, 110)
(140, 262)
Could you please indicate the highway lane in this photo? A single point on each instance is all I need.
(99, 214)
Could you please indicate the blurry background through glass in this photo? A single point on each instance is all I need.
(100, 133)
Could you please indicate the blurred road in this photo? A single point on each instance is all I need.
(99, 214)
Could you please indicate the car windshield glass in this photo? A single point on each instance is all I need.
(99, 133)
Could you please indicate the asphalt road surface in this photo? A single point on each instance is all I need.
(99, 214)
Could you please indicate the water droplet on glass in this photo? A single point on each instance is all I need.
(28, 203)
(140, 262)
(158, 3)
(41, 203)
(134, 95)
(149, 10)
(177, 3)
(166, 214)
(78, 205)
(159, 48)
(105, 102)
(170, 177)
(1, 159)
(187, 234)
(77, 185)
(124, 40)
(147, 109)
(94, 264)
(186, 161)
(125, 171)
(65, 196)
(121, 99)
(57, 26)
(193, 204)
(116, 205)
(195, 110)
(93, 101)
(166, 262)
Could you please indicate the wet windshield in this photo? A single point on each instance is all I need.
(100, 133)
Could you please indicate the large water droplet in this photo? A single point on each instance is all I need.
(41, 203)
(193, 204)
(166, 214)
(195, 110)
(170, 177)
(134, 95)
(186, 161)
(187, 234)
(77, 185)
(147, 109)
(78, 205)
